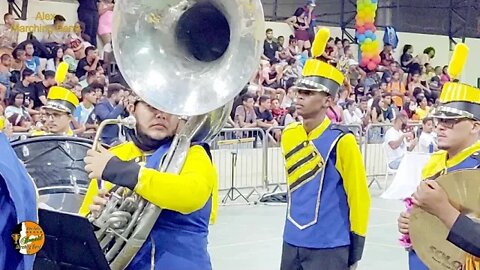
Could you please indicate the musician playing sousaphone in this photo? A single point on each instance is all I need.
(458, 126)
(188, 200)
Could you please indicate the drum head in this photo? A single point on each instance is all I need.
(57, 168)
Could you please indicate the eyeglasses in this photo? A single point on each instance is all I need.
(54, 115)
(448, 123)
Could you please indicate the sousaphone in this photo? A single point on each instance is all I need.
(429, 235)
(189, 58)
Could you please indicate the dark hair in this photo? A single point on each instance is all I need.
(88, 49)
(87, 90)
(55, 51)
(27, 72)
(13, 96)
(280, 37)
(268, 30)
(406, 48)
(262, 99)
(49, 74)
(291, 110)
(349, 103)
(58, 18)
(114, 88)
(6, 15)
(246, 97)
(426, 119)
(96, 85)
(299, 12)
(428, 50)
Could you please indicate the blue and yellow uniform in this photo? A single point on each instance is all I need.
(328, 198)
(18, 203)
(458, 101)
(188, 201)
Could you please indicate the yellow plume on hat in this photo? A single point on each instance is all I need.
(459, 58)
(61, 73)
(321, 40)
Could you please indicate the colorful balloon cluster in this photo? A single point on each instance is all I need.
(365, 33)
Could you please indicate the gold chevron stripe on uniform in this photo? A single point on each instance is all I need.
(303, 163)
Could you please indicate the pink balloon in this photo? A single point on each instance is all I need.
(361, 30)
(377, 59)
(372, 66)
(369, 26)
(364, 62)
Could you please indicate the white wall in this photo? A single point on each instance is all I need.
(419, 41)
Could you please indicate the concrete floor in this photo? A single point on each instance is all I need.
(249, 237)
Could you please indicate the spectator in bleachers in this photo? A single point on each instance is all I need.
(407, 59)
(309, 7)
(26, 86)
(422, 107)
(292, 50)
(350, 114)
(18, 65)
(289, 98)
(111, 107)
(85, 114)
(105, 20)
(271, 78)
(426, 57)
(56, 34)
(42, 88)
(88, 14)
(32, 62)
(427, 143)
(436, 81)
(8, 36)
(387, 108)
(245, 115)
(445, 77)
(17, 113)
(335, 112)
(270, 47)
(397, 89)
(329, 55)
(300, 22)
(376, 112)
(416, 87)
(397, 142)
(57, 58)
(281, 43)
(5, 74)
(89, 63)
(386, 56)
(290, 116)
(265, 118)
(276, 110)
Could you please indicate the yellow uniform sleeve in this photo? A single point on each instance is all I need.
(350, 166)
(186, 192)
(92, 191)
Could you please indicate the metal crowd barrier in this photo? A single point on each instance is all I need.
(240, 158)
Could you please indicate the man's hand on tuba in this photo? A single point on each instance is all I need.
(96, 161)
(99, 203)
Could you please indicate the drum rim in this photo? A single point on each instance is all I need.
(54, 138)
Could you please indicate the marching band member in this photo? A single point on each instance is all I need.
(328, 197)
(188, 200)
(61, 104)
(458, 127)
(18, 203)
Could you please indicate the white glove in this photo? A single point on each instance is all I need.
(353, 267)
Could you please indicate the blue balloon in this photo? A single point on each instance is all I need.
(368, 34)
(374, 1)
(373, 37)
(361, 38)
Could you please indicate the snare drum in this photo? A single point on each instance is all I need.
(56, 165)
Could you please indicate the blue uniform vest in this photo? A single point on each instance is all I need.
(318, 212)
(18, 203)
(180, 241)
(470, 162)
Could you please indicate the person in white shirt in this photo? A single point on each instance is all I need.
(398, 142)
(350, 115)
(427, 142)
